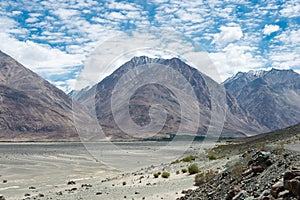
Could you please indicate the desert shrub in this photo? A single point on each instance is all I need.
(184, 170)
(177, 172)
(279, 149)
(193, 169)
(189, 158)
(203, 177)
(124, 183)
(156, 175)
(212, 155)
(237, 172)
(165, 174)
(176, 161)
(159, 173)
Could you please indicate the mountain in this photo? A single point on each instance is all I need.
(272, 97)
(31, 108)
(238, 122)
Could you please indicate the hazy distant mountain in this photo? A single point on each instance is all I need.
(31, 108)
(272, 97)
(238, 122)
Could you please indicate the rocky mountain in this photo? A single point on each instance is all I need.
(31, 108)
(238, 122)
(272, 97)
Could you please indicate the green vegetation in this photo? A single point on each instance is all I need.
(203, 177)
(177, 172)
(279, 149)
(184, 170)
(237, 172)
(193, 169)
(189, 158)
(176, 161)
(156, 175)
(165, 174)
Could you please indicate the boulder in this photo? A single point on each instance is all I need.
(276, 188)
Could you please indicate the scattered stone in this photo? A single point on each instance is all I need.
(41, 195)
(242, 195)
(86, 185)
(71, 183)
(276, 188)
(234, 190)
(284, 194)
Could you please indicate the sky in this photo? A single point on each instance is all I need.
(54, 38)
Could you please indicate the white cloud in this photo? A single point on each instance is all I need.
(39, 58)
(234, 58)
(228, 34)
(291, 9)
(269, 29)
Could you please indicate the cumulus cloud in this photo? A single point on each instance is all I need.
(234, 58)
(269, 29)
(228, 34)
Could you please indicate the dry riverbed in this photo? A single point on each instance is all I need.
(68, 171)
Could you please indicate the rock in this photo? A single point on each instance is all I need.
(247, 172)
(71, 183)
(276, 188)
(242, 195)
(2, 197)
(41, 195)
(264, 195)
(284, 194)
(86, 185)
(294, 186)
(234, 190)
(291, 180)
(257, 169)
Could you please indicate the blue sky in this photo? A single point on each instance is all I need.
(54, 37)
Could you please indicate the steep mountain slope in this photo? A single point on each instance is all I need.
(238, 122)
(273, 97)
(31, 108)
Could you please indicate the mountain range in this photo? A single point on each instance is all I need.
(271, 97)
(33, 109)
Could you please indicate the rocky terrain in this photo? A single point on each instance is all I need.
(265, 170)
(272, 97)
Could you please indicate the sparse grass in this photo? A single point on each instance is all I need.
(176, 161)
(165, 174)
(203, 177)
(193, 169)
(237, 172)
(189, 158)
(279, 149)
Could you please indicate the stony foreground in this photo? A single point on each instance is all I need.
(257, 175)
